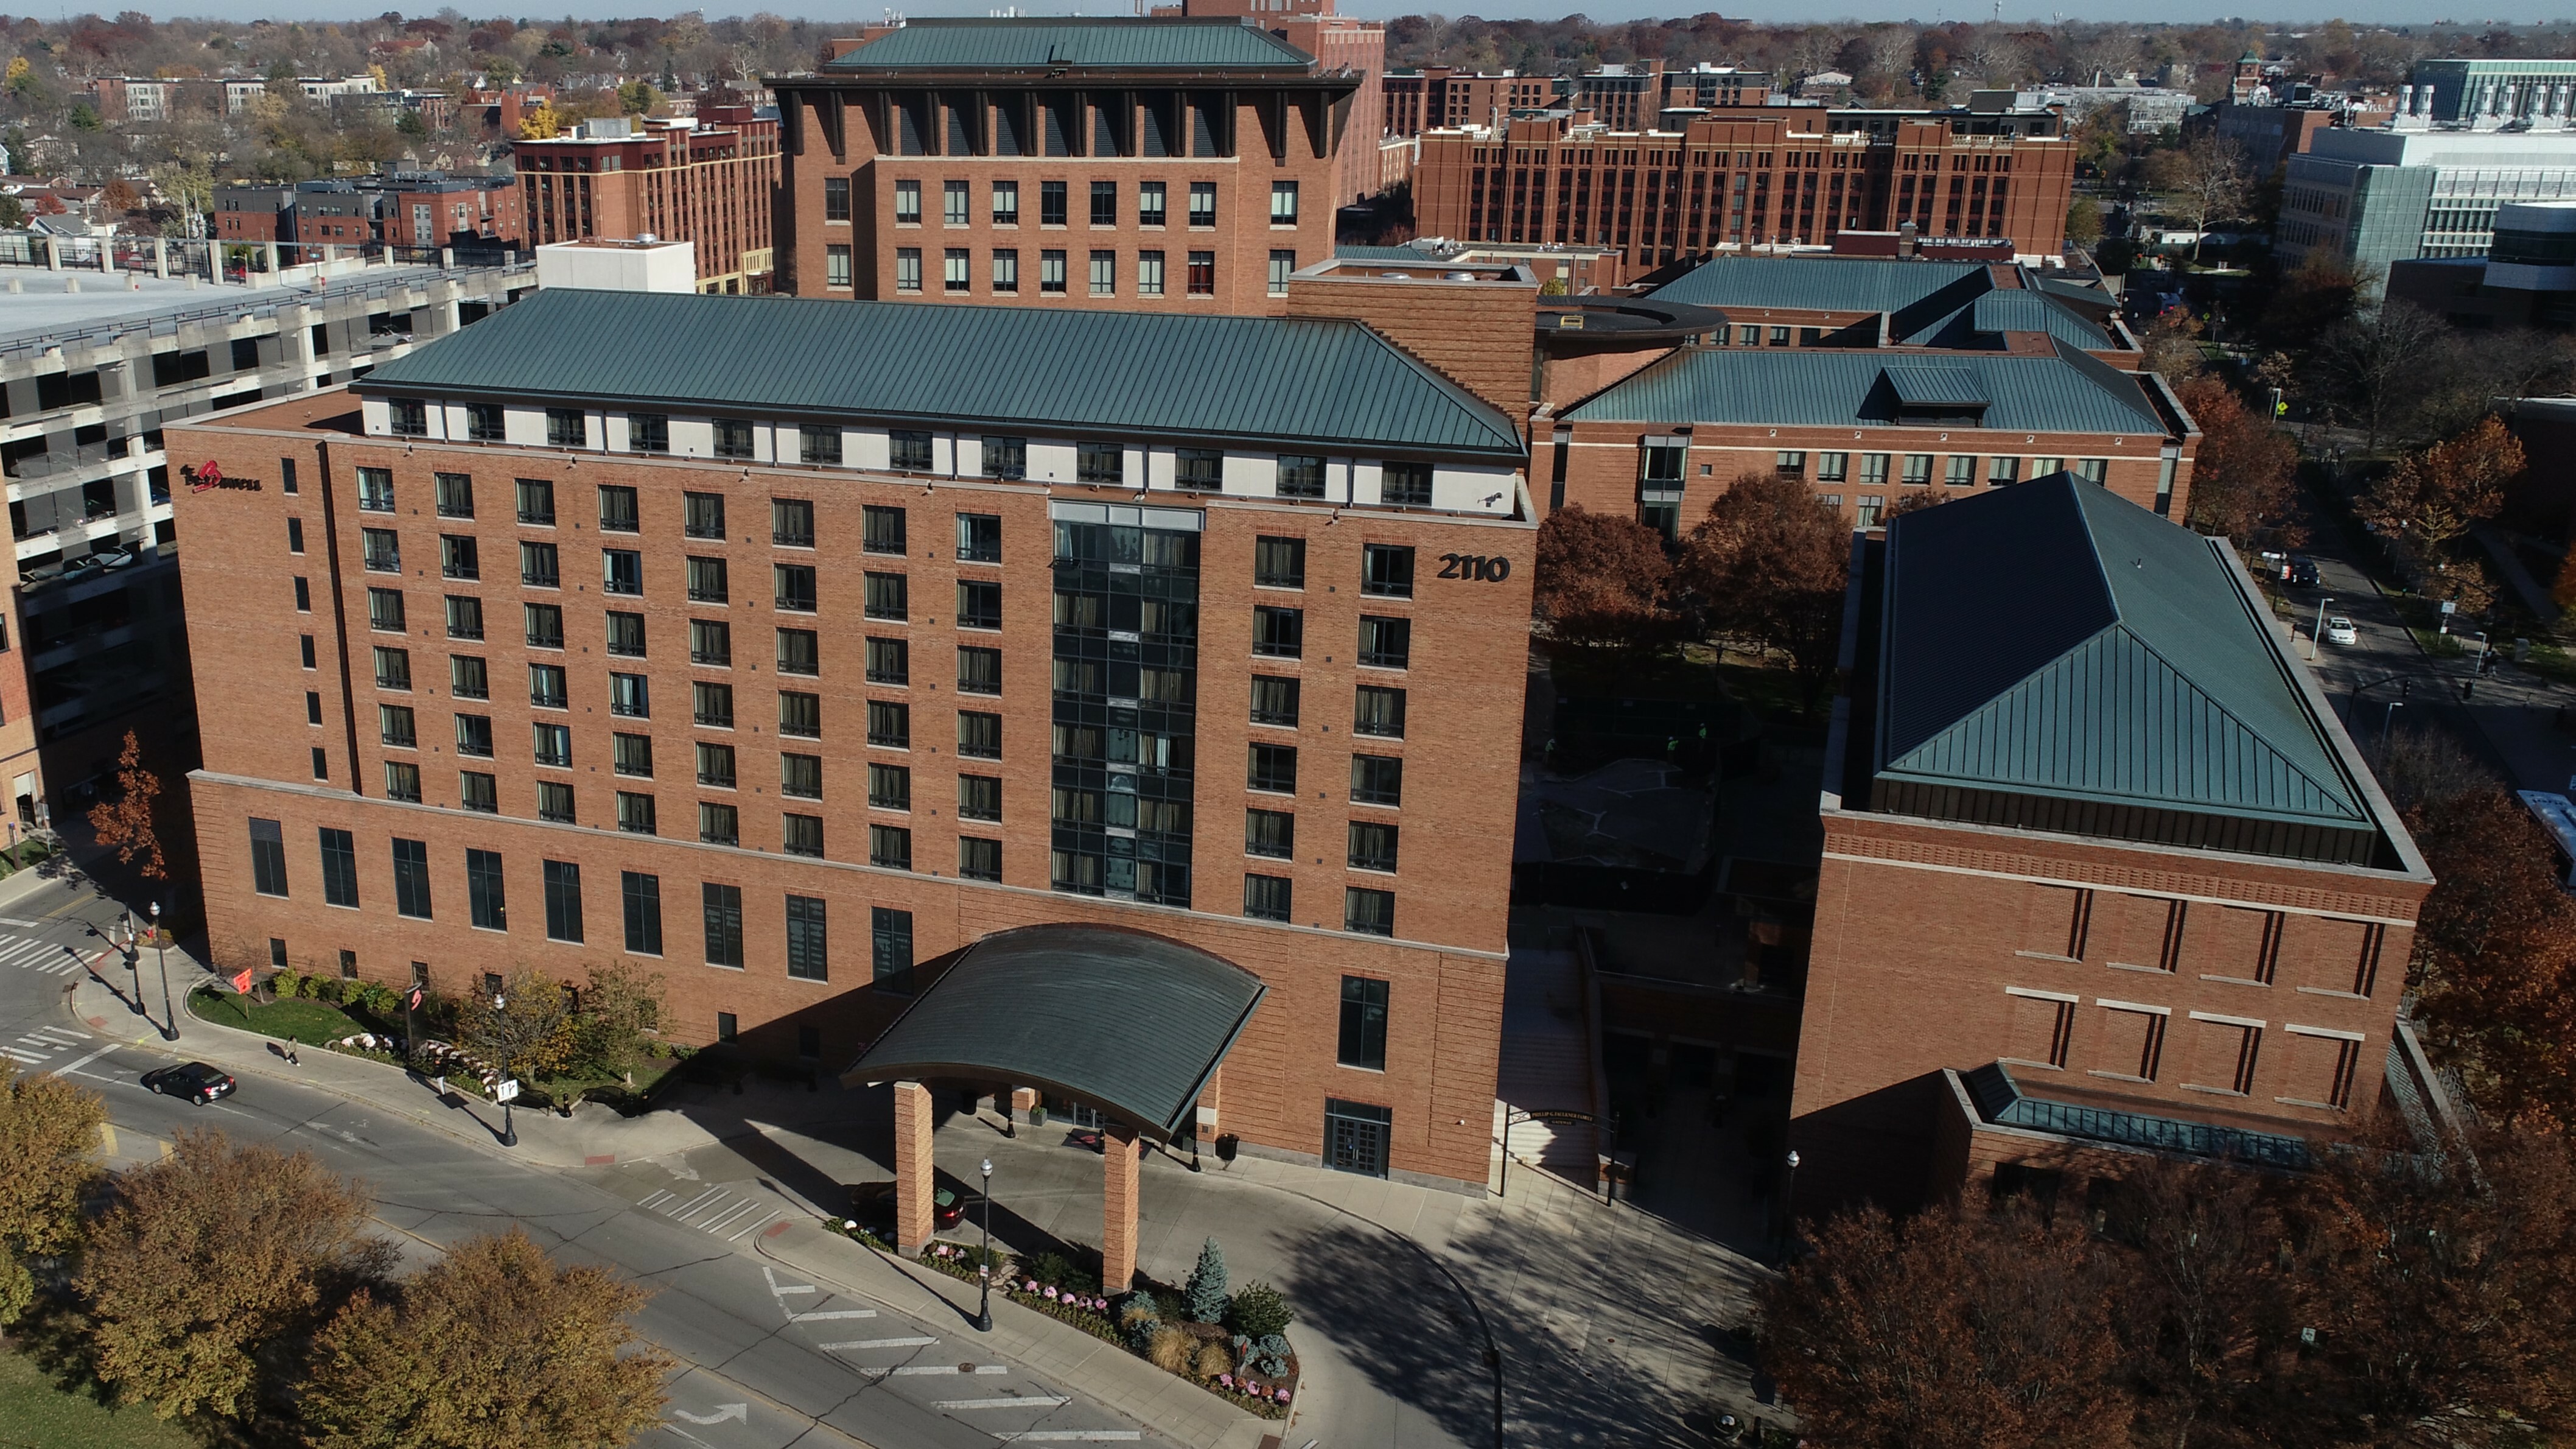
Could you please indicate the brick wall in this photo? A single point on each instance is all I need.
(1479, 333)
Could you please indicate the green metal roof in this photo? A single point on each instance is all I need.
(1935, 384)
(1328, 382)
(1816, 284)
(1077, 43)
(2113, 658)
(1981, 323)
(1130, 1023)
(1349, 253)
(1837, 387)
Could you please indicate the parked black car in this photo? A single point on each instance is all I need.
(195, 1081)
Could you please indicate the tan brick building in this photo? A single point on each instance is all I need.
(1159, 165)
(2102, 872)
(852, 647)
(711, 179)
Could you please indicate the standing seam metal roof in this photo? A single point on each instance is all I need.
(1082, 43)
(1326, 381)
(1817, 284)
(1838, 387)
(2115, 660)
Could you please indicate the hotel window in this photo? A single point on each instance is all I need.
(907, 269)
(383, 548)
(1199, 469)
(1265, 897)
(711, 705)
(799, 652)
(410, 418)
(836, 198)
(979, 859)
(1099, 463)
(484, 893)
(1779, 336)
(1377, 780)
(1867, 512)
(1832, 467)
(1386, 570)
(800, 777)
(1371, 913)
(1283, 203)
(539, 567)
(953, 265)
(394, 725)
(908, 450)
(552, 744)
(474, 736)
(888, 597)
(800, 716)
(483, 422)
(723, 913)
(1748, 336)
(1006, 203)
(621, 571)
(455, 495)
(1873, 470)
(719, 824)
(625, 635)
(889, 786)
(818, 444)
(1363, 1035)
(1789, 463)
(630, 696)
(1405, 485)
(2091, 470)
(979, 671)
(1149, 203)
(1959, 472)
(836, 265)
(907, 203)
(1278, 633)
(385, 611)
(2042, 467)
(2000, 471)
(643, 902)
(715, 765)
(1149, 274)
(1005, 457)
(1104, 274)
(979, 797)
(794, 584)
(1051, 271)
(889, 723)
(1271, 834)
(411, 878)
(393, 668)
(1272, 768)
(1372, 846)
(1274, 700)
(1918, 469)
(1051, 203)
(979, 735)
(1202, 205)
(890, 846)
(733, 438)
(703, 515)
(635, 813)
(954, 199)
(1104, 203)
(567, 428)
(890, 941)
(554, 802)
(1301, 477)
(633, 755)
(889, 661)
(648, 432)
(807, 949)
(544, 624)
(979, 535)
(478, 792)
(617, 510)
(1006, 269)
(708, 583)
(1380, 712)
(1202, 274)
(1385, 643)
(791, 522)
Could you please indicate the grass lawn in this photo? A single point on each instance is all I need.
(295, 1019)
(35, 1414)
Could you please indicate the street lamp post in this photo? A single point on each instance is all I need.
(161, 953)
(509, 1127)
(2386, 721)
(134, 961)
(2317, 635)
(1789, 1206)
(984, 1269)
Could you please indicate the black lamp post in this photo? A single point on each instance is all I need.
(161, 953)
(134, 962)
(509, 1127)
(984, 1269)
(1789, 1207)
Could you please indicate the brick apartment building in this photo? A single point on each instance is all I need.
(1753, 177)
(1339, 44)
(1437, 96)
(853, 647)
(2102, 874)
(1180, 165)
(410, 209)
(710, 179)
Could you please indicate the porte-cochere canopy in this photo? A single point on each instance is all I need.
(1126, 1022)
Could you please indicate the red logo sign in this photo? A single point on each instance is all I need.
(210, 474)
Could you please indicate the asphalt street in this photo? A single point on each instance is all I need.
(767, 1358)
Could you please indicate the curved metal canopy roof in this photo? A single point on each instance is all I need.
(1130, 1023)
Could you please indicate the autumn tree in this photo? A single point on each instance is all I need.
(2495, 956)
(2432, 497)
(48, 1128)
(2171, 347)
(2244, 477)
(126, 822)
(1601, 580)
(213, 1257)
(1769, 563)
(2206, 181)
(530, 1029)
(2312, 299)
(1946, 1332)
(620, 1005)
(492, 1347)
(2373, 368)
(2084, 221)
(2201, 1297)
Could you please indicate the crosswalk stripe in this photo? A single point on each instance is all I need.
(37, 1041)
(1073, 1436)
(831, 1314)
(30, 1058)
(670, 1211)
(716, 1206)
(755, 1227)
(13, 947)
(22, 925)
(656, 1198)
(912, 1342)
(1030, 1401)
(23, 955)
(64, 1032)
(718, 1223)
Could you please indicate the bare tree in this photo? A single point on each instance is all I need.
(2373, 366)
(2205, 181)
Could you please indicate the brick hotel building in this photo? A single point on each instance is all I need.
(789, 647)
(1164, 165)
(710, 180)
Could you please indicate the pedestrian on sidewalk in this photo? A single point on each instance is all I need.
(290, 1056)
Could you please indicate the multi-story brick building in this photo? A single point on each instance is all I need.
(403, 208)
(711, 179)
(1182, 165)
(2102, 873)
(1438, 95)
(877, 630)
(1730, 180)
(1339, 43)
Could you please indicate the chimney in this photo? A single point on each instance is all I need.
(1907, 242)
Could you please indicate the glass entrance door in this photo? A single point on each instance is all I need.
(1355, 1137)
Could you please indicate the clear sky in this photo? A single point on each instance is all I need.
(1774, 12)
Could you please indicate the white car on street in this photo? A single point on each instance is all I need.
(2340, 630)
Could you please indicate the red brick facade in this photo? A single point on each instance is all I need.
(1444, 962)
(711, 182)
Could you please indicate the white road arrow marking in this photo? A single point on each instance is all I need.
(722, 1413)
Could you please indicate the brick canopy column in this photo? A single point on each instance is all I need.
(913, 1168)
(1118, 1154)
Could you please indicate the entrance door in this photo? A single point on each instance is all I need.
(1355, 1137)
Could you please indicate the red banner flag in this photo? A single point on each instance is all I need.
(241, 983)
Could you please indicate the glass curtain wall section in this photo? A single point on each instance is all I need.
(1126, 691)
